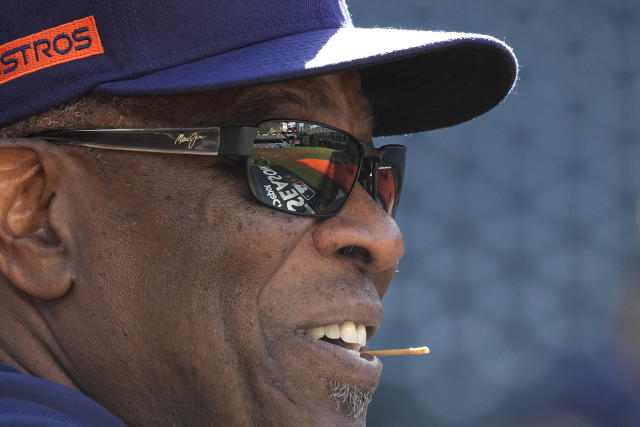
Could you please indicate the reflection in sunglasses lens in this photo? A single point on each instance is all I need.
(303, 167)
(386, 188)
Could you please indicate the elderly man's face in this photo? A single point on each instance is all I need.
(190, 300)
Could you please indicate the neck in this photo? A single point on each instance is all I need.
(26, 342)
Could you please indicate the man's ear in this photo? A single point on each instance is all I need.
(32, 255)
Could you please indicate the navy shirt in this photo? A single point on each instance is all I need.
(28, 401)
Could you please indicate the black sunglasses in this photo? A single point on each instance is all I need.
(298, 167)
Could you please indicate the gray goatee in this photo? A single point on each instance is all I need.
(351, 400)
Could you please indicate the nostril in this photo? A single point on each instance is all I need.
(356, 252)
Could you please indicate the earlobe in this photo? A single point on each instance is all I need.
(32, 256)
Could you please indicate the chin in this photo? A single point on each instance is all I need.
(315, 397)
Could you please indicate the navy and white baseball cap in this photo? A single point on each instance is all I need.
(54, 51)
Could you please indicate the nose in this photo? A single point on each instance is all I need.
(363, 233)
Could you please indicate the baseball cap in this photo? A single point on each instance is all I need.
(52, 52)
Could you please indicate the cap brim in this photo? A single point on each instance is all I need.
(416, 80)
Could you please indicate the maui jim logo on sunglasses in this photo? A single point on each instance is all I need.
(65, 43)
(191, 139)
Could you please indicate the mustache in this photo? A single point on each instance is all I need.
(352, 401)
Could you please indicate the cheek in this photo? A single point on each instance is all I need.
(233, 246)
(250, 241)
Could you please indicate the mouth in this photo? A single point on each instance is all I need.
(348, 336)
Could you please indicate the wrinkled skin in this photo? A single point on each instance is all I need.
(158, 287)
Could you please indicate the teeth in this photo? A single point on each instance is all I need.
(316, 333)
(362, 335)
(332, 331)
(355, 335)
(348, 332)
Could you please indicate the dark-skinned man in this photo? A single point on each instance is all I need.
(195, 228)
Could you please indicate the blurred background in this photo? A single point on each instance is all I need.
(522, 265)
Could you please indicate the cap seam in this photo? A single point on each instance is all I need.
(126, 65)
(140, 34)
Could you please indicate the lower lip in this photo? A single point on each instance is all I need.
(360, 369)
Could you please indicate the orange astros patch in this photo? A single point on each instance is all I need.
(69, 42)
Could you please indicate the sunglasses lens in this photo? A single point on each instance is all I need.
(303, 167)
(389, 177)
